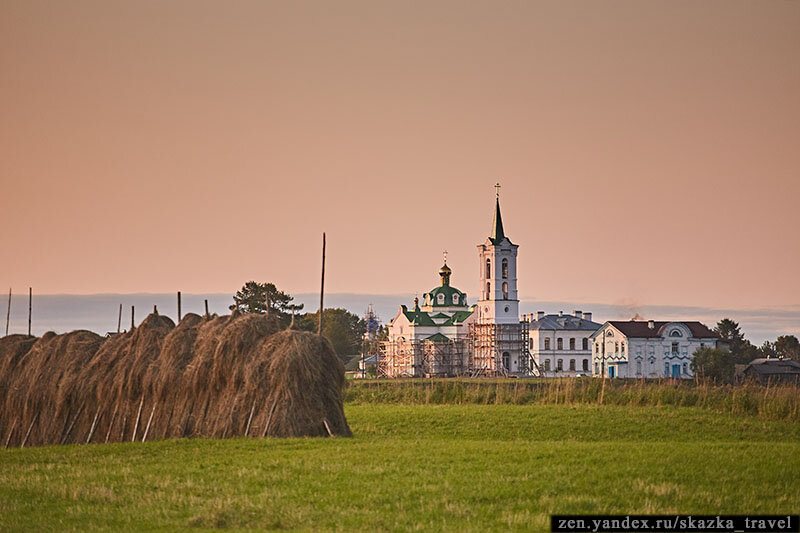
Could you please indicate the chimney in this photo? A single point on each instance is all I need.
(539, 315)
(577, 313)
(587, 316)
(561, 313)
(651, 324)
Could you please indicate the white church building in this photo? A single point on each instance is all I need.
(649, 349)
(446, 337)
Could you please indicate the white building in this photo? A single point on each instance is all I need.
(560, 344)
(446, 337)
(649, 349)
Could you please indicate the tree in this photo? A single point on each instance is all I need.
(252, 298)
(729, 331)
(788, 346)
(714, 364)
(342, 328)
(768, 350)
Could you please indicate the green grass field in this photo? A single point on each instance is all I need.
(455, 467)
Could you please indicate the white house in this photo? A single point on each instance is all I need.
(560, 344)
(650, 349)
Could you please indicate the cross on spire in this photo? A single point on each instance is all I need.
(445, 256)
(497, 189)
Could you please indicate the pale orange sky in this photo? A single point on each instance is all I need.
(649, 152)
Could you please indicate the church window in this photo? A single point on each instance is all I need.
(455, 299)
(560, 344)
(572, 344)
(572, 364)
(596, 368)
(675, 348)
(547, 365)
(505, 268)
(488, 268)
(505, 290)
(488, 290)
(560, 365)
(547, 344)
(440, 299)
(585, 365)
(675, 333)
(585, 344)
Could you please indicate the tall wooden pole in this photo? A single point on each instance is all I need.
(119, 320)
(206, 303)
(133, 310)
(322, 286)
(30, 308)
(8, 313)
(179, 306)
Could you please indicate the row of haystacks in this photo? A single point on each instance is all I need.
(212, 377)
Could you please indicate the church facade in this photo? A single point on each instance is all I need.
(444, 336)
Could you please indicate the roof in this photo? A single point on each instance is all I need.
(438, 337)
(641, 329)
(417, 317)
(448, 292)
(774, 366)
(497, 226)
(570, 322)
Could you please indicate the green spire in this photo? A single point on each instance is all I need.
(497, 228)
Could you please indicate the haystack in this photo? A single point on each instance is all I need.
(306, 385)
(207, 377)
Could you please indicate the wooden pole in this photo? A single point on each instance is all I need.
(206, 303)
(72, 424)
(179, 306)
(327, 427)
(8, 313)
(30, 308)
(111, 424)
(119, 320)
(11, 431)
(322, 286)
(133, 311)
(94, 426)
(138, 417)
(250, 419)
(269, 418)
(149, 421)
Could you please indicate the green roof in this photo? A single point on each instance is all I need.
(439, 315)
(438, 337)
(420, 318)
(458, 318)
(448, 293)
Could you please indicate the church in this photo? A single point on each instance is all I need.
(444, 336)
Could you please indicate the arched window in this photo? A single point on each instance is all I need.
(547, 365)
(547, 344)
(455, 299)
(572, 344)
(505, 268)
(505, 290)
(560, 344)
(585, 365)
(440, 299)
(585, 345)
(488, 290)
(675, 333)
(560, 365)
(488, 268)
(572, 365)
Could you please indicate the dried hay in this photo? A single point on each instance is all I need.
(206, 377)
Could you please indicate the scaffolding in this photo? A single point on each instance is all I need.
(427, 358)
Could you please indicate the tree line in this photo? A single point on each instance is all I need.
(720, 365)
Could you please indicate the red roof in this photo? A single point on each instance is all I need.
(640, 328)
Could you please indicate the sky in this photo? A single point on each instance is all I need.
(647, 151)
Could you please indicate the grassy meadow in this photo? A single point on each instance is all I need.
(419, 467)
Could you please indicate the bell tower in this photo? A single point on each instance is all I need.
(499, 303)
